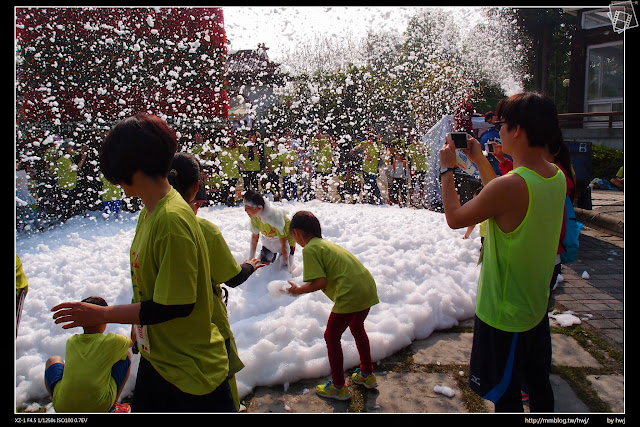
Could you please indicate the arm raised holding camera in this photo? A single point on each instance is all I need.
(493, 201)
(475, 154)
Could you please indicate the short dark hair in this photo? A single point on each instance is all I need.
(306, 222)
(488, 115)
(95, 300)
(143, 142)
(184, 172)
(254, 197)
(534, 112)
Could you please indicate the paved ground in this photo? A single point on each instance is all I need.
(588, 357)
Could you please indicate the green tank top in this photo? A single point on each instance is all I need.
(513, 289)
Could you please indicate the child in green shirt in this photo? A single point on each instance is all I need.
(96, 369)
(272, 224)
(348, 283)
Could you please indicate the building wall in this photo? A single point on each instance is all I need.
(613, 138)
(582, 39)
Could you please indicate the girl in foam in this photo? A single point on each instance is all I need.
(272, 224)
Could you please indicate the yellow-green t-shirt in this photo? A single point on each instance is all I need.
(223, 266)
(66, 172)
(170, 265)
(483, 228)
(349, 284)
(21, 279)
(87, 384)
(325, 161)
(287, 159)
(213, 181)
(251, 161)
(228, 158)
(418, 158)
(271, 158)
(370, 158)
(258, 227)
(109, 191)
(50, 156)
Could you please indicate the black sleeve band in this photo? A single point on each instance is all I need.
(246, 271)
(152, 312)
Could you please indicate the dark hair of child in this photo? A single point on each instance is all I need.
(306, 222)
(254, 198)
(96, 301)
(143, 142)
(184, 172)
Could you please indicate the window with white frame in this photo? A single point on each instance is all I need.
(605, 80)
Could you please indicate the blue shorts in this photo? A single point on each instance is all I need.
(119, 370)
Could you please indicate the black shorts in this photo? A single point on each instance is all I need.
(153, 393)
(501, 362)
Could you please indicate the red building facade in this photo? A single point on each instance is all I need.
(89, 67)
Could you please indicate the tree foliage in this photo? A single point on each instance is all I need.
(408, 81)
(82, 69)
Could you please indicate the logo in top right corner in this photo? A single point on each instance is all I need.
(622, 16)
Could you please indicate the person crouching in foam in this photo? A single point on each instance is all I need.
(273, 224)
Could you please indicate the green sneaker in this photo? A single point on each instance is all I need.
(367, 380)
(329, 390)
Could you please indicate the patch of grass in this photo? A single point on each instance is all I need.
(581, 386)
(611, 359)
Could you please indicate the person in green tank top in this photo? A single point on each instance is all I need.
(524, 209)
(183, 365)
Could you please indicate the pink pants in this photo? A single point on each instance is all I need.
(336, 325)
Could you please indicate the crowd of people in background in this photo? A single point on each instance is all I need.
(376, 169)
(373, 170)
